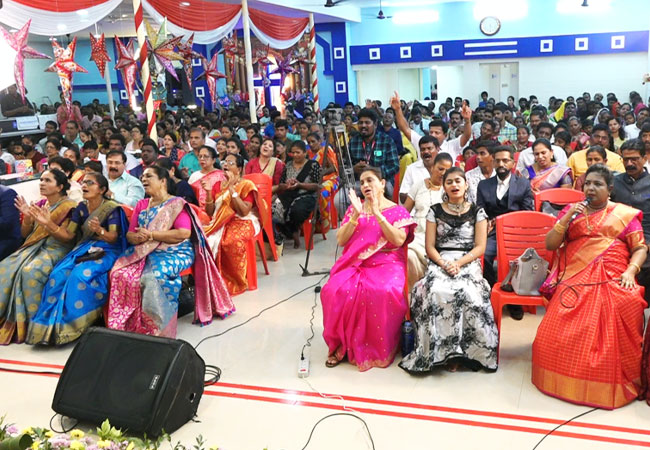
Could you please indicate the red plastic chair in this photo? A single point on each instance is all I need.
(307, 230)
(517, 231)
(9, 170)
(128, 211)
(334, 212)
(558, 196)
(264, 185)
(251, 260)
(396, 189)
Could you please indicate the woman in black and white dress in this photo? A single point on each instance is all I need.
(451, 306)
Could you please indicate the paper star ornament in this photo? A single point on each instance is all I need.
(18, 42)
(98, 53)
(127, 64)
(161, 50)
(284, 68)
(65, 67)
(185, 50)
(211, 75)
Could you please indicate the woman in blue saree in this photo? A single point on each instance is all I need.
(78, 286)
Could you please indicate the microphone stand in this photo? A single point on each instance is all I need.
(310, 243)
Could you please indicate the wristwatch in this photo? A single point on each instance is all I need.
(103, 232)
(235, 195)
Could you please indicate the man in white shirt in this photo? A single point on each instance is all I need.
(116, 142)
(476, 128)
(90, 151)
(205, 126)
(633, 131)
(419, 170)
(526, 157)
(123, 188)
(437, 129)
(484, 158)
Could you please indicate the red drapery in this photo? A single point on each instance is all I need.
(201, 15)
(278, 27)
(61, 5)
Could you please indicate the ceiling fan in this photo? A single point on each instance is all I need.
(380, 14)
(330, 3)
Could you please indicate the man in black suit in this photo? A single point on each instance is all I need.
(498, 195)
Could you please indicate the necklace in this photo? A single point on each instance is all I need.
(456, 207)
(589, 227)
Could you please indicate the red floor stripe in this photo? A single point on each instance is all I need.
(439, 408)
(25, 363)
(433, 418)
(385, 402)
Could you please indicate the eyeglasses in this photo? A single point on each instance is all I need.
(230, 163)
(89, 182)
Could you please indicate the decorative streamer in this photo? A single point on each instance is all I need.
(144, 69)
(312, 66)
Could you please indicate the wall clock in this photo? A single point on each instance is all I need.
(490, 25)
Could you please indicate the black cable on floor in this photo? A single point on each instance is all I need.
(215, 373)
(63, 429)
(562, 424)
(260, 313)
(317, 290)
(340, 414)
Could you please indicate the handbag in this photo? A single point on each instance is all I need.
(527, 274)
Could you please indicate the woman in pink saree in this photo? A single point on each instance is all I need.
(363, 301)
(145, 282)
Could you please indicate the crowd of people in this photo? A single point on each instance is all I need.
(123, 218)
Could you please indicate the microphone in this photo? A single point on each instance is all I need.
(575, 214)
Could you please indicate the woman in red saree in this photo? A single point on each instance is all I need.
(588, 346)
(363, 301)
(326, 157)
(545, 173)
(234, 222)
(203, 180)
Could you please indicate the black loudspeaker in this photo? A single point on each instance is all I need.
(143, 384)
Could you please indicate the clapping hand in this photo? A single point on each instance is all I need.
(142, 234)
(354, 200)
(22, 206)
(205, 184)
(40, 214)
(94, 225)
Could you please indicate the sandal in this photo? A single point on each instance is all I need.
(332, 361)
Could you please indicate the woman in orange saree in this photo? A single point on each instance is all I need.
(588, 346)
(326, 157)
(234, 223)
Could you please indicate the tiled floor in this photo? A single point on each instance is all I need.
(261, 403)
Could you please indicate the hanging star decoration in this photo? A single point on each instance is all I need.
(127, 64)
(161, 50)
(284, 68)
(18, 42)
(185, 50)
(211, 75)
(98, 53)
(231, 49)
(65, 67)
(262, 57)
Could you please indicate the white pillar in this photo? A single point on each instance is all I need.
(312, 61)
(109, 92)
(249, 61)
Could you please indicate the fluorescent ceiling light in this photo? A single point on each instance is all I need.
(415, 16)
(571, 7)
(501, 9)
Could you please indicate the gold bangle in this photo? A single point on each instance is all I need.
(209, 202)
(381, 219)
(353, 222)
(558, 227)
(638, 268)
(151, 236)
(58, 228)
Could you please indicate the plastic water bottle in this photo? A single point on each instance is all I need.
(408, 337)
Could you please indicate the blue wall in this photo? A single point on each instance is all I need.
(456, 21)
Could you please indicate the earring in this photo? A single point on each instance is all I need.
(466, 197)
(445, 198)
